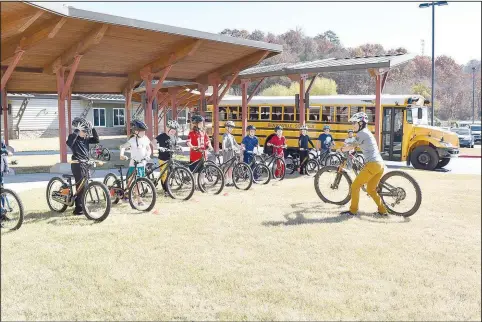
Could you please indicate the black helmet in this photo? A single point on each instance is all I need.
(278, 127)
(80, 123)
(138, 125)
(251, 127)
(197, 118)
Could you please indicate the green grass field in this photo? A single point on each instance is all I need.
(275, 252)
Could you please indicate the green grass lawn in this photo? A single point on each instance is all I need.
(275, 252)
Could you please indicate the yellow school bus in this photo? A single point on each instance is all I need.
(404, 131)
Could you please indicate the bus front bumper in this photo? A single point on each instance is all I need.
(448, 152)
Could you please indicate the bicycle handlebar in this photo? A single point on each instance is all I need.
(89, 162)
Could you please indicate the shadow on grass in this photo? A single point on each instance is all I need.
(58, 219)
(297, 216)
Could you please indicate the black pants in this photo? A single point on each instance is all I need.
(303, 156)
(79, 171)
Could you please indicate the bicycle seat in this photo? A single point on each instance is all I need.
(67, 176)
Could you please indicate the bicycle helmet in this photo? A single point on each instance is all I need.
(172, 124)
(359, 117)
(80, 123)
(303, 127)
(229, 124)
(326, 127)
(197, 119)
(138, 125)
(278, 128)
(350, 131)
(251, 127)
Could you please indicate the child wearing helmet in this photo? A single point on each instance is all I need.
(164, 142)
(350, 140)
(374, 167)
(197, 140)
(78, 142)
(230, 147)
(278, 142)
(248, 144)
(303, 142)
(140, 151)
(325, 140)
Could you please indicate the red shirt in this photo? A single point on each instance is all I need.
(201, 141)
(278, 141)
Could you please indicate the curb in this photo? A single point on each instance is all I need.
(471, 156)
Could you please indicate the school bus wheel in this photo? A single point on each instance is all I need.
(424, 157)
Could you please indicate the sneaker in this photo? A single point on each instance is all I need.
(347, 213)
(381, 214)
(78, 212)
(166, 194)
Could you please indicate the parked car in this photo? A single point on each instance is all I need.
(466, 138)
(475, 129)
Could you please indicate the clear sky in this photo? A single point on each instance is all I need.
(392, 24)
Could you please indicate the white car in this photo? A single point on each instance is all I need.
(466, 138)
(475, 129)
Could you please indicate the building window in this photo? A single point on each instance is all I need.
(253, 113)
(289, 114)
(276, 113)
(328, 113)
(370, 111)
(99, 117)
(342, 114)
(119, 117)
(314, 113)
(265, 113)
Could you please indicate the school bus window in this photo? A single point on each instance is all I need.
(328, 113)
(276, 113)
(208, 117)
(265, 113)
(314, 113)
(289, 113)
(222, 113)
(355, 109)
(409, 116)
(297, 113)
(370, 111)
(233, 113)
(254, 113)
(342, 114)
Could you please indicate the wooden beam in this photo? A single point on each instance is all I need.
(180, 51)
(11, 67)
(57, 28)
(255, 90)
(228, 85)
(67, 57)
(31, 20)
(70, 77)
(11, 24)
(240, 64)
(27, 40)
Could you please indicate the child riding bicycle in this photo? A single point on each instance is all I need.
(198, 141)
(230, 147)
(83, 135)
(374, 166)
(303, 142)
(140, 151)
(278, 142)
(165, 142)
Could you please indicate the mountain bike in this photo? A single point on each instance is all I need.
(99, 152)
(400, 192)
(293, 163)
(242, 174)
(210, 178)
(326, 158)
(180, 181)
(275, 163)
(134, 187)
(95, 196)
(261, 172)
(11, 208)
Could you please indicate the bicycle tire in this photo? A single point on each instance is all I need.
(154, 194)
(332, 160)
(311, 167)
(220, 177)
(48, 193)
(282, 163)
(416, 186)
(115, 183)
(290, 165)
(343, 175)
(237, 168)
(93, 153)
(104, 189)
(5, 191)
(172, 173)
(105, 154)
(265, 170)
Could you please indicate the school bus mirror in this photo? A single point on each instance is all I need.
(419, 113)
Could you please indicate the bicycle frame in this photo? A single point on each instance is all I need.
(84, 182)
(229, 164)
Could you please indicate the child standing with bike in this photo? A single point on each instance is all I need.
(230, 147)
(248, 144)
(278, 142)
(350, 140)
(164, 142)
(303, 142)
(374, 167)
(198, 142)
(78, 142)
(325, 140)
(140, 151)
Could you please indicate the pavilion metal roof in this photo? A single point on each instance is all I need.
(327, 65)
(113, 49)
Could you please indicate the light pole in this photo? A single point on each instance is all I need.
(427, 5)
(473, 95)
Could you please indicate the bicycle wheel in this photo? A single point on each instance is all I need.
(56, 200)
(11, 210)
(211, 179)
(333, 186)
(242, 176)
(278, 170)
(261, 174)
(105, 154)
(360, 158)
(290, 165)
(114, 186)
(400, 193)
(141, 190)
(180, 183)
(93, 153)
(333, 160)
(96, 201)
(311, 167)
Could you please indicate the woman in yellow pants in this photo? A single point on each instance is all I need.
(374, 167)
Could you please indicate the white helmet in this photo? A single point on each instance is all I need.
(359, 117)
(229, 124)
(80, 123)
(303, 127)
(172, 124)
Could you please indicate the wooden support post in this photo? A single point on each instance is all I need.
(11, 67)
(229, 83)
(69, 110)
(61, 112)
(384, 80)
(216, 116)
(255, 89)
(128, 96)
(244, 106)
(148, 108)
(378, 107)
(302, 110)
(165, 117)
(5, 115)
(173, 93)
(202, 97)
